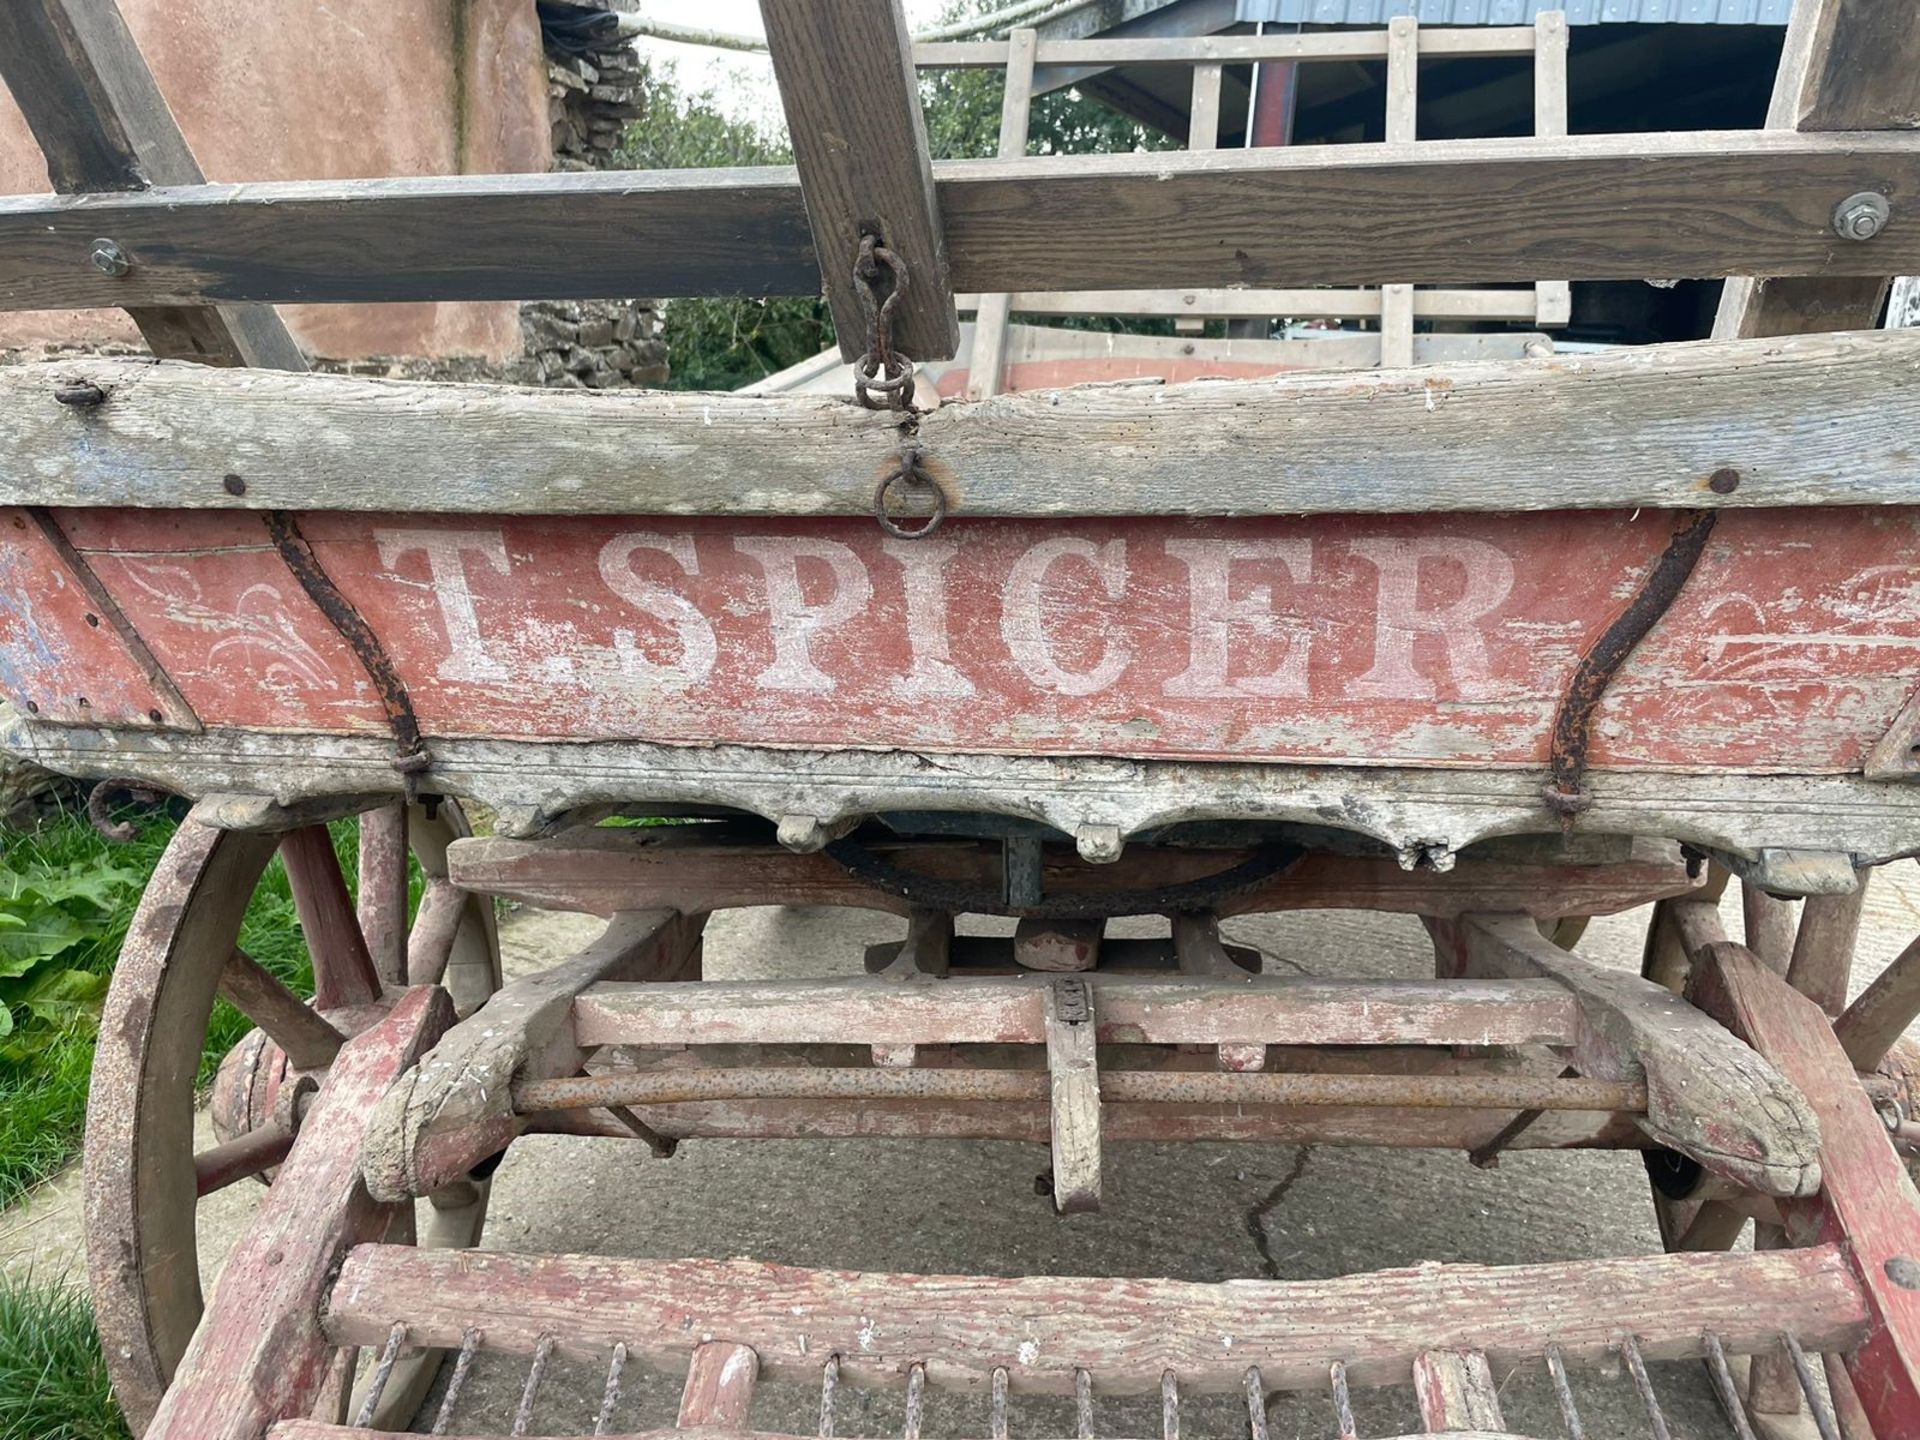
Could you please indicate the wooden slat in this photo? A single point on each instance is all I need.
(1845, 64)
(102, 123)
(1868, 1201)
(1709, 1096)
(1343, 304)
(1456, 1392)
(1126, 1333)
(992, 311)
(1235, 49)
(1460, 212)
(1268, 1010)
(1554, 298)
(259, 1353)
(853, 110)
(1817, 420)
(1403, 90)
(1073, 1076)
(719, 1388)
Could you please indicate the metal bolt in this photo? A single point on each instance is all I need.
(109, 259)
(1904, 1272)
(1862, 216)
(1724, 482)
(233, 485)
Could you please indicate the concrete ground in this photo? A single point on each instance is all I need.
(1199, 1212)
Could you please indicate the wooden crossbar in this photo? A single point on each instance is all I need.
(1817, 420)
(1449, 213)
(1127, 1334)
(1271, 1010)
(1348, 45)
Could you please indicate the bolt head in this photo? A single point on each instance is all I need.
(109, 259)
(1862, 216)
(1904, 1272)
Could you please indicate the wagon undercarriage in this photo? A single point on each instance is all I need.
(1504, 646)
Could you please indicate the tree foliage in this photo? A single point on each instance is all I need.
(726, 342)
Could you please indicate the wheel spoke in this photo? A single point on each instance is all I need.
(309, 1041)
(343, 973)
(383, 890)
(239, 1159)
(442, 909)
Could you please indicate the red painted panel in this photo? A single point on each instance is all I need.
(59, 659)
(1441, 639)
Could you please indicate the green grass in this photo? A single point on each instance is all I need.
(53, 1381)
(45, 1060)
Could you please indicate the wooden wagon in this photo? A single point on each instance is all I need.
(1501, 645)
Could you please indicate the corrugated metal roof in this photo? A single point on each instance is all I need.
(1519, 12)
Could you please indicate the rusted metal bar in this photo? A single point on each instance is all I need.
(239, 1158)
(1565, 789)
(388, 688)
(1432, 1092)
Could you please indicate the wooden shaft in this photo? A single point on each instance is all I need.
(239, 1158)
(443, 906)
(719, 1388)
(343, 972)
(1769, 925)
(1822, 963)
(1868, 1028)
(1442, 1092)
(382, 903)
(306, 1037)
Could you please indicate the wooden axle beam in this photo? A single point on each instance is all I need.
(1127, 1335)
(1604, 207)
(1815, 420)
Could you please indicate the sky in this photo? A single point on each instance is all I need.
(743, 84)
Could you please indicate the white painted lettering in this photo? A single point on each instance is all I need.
(1400, 619)
(1214, 613)
(1024, 629)
(672, 609)
(923, 571)
(467, 657)
(792, 620)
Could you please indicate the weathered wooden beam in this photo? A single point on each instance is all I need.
(1815, 420)
(879, 1010)
(1867, 1200)
(1127, 1334)
(1709, 1097)
(1073, 1076)
(992, 312)
(860, 143)
(1337, 45)
(1845, 65)
(1456, 213)
(258, 1353)
(1338, 304)
(102, 123)
(455, 1109)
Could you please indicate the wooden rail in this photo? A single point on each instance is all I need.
(1444, 213)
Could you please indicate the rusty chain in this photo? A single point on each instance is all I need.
(882, 377)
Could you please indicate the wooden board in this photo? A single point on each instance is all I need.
(1602, 207)
(852, 102)
(1416, 641)
(600, 871)
(1818, 420)
(1271, 1010)
(1127, 1333)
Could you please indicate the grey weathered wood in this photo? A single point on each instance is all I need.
(992, 312)
(1604, 206)
(381, 904)
(1880, 1015)
(884, 1011)
(1073, 1077)
(1369, 44)
(1126, 1334)
(1328, 302)
(1822, 961)
(1845, 65)
(1767, 923)
(1406, 809)
(455, 1108)
(853, 110)
(1708, 1095)
(1203, 110)
(1815, 420)
(1403, 90)
(1456, 1391)
(1553, 298)
(93, 106)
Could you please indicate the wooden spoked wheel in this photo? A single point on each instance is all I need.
(143, 1179)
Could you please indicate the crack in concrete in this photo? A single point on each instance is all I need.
(1257, 1216)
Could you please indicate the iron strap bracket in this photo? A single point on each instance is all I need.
(412, 759)
(1565, 789)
